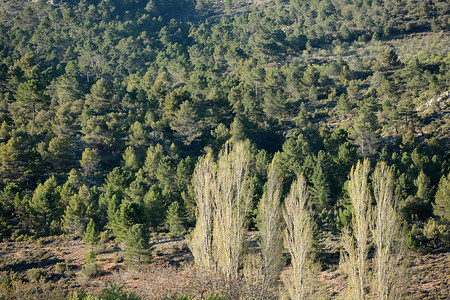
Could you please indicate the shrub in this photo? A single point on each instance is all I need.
(61, 267)
(116, 292)
(91, 270)
(82, 296)
(118, 258)
(90, 257)
(35, 274)
(215, 296)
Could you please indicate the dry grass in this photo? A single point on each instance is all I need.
(172, 273)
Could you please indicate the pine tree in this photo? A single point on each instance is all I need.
(81, 207)
(137, 241)
(154, 155)
(365, 131)
(237, 129)
(423, 187)
(45, 204)
(320, 190)
(343, 105)
(128, 215)
(90, 161)
(175, 219)
(442, 199)
(154, 206)
(91, 236)
(131, 161)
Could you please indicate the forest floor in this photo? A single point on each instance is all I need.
(171, 272)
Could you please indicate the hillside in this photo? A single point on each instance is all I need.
(110, 110)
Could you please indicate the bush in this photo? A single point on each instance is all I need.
(35, 274)
(90, 257)
(433, 231)
(112, 292)
(215, 296)
(91, 270)
(185, 297)
(115, 292)
(82, 296)
(118, 258)
(61, 267)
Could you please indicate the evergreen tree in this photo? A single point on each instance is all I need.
(154, 206)
(423, 187)
(365, 132)
(442, 199)
(343, 105)
(175, 218)
(90, 161)
(45, 204)
(137, 241)
(91, 236)
(320, 190)
(82, 207)
(128, 215)
(131, 160)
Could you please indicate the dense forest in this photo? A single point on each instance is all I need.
(124, 120)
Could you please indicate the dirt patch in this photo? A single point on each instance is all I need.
(172, 272)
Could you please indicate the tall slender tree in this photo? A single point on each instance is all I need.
(271, 223)
(356, 238)
(233, 193)
(203, 181)
(387, 236)
(299, 240)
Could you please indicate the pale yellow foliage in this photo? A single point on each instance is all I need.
(271, 224)
(387, 237)
(232, 199)
(299, 241)
(355, 241)
(203, 181)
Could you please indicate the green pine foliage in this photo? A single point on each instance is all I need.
(45, 205)
(442, 199)
(106, 107)
(91, 236)
(137, 243)
(175, 219)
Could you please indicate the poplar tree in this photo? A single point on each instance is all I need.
(355, 239)
(203, 181)
(387, 236)
(271, 224)
(298, 239)
(233, 193)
